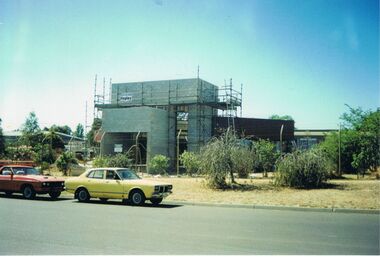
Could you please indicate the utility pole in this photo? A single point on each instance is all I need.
(137, 149)
(85, 139)
(339, 151)
(281, 130)
(179, 134)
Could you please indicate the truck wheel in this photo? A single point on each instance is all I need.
(156, 201)
(137, 197)
(83, 195)
(54, 195)
(28, 192)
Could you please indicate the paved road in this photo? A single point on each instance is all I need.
(41, 227)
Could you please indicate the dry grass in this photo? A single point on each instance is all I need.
(346, 193)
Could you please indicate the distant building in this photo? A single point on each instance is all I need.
(12, 136)
(72, 143)
(307, 138)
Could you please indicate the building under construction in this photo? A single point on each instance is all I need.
(170, 116)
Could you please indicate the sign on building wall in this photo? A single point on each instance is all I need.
(125, 98)
(118, 148)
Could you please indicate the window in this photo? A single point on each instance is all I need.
(96, 174)
(6, 171)
(111, 175)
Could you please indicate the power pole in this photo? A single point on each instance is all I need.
(339, 151)
(179, 134)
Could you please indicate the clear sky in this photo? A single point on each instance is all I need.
(304, 58)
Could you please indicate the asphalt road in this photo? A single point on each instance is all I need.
(44, 227)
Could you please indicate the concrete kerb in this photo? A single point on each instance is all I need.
(279, 208)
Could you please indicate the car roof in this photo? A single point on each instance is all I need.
(109, 168)
(17, 166)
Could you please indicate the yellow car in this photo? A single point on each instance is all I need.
(116, 183)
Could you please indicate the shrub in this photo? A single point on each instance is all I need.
(20, 153)
(217, 161)
(191, 162)
(159, 164)
(264, 156)
(302, 169)
(64, 161)
(118, 160)
(242, 161)
(100, 162)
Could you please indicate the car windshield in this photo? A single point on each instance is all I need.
(25, 171)
(127, 174)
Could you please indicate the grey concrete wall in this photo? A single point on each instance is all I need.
(199, 126)
(165, 92)
(132, 120)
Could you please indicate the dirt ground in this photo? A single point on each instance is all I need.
(344, 193)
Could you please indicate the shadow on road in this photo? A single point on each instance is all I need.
(119, 203)
(37, 198)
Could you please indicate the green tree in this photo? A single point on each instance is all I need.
(31, 124)
(264, 156)
(359, 142)
(79, 131)
(64, 161)
(2, 141)
(61, 129)
(282, 117)
(53, 139)
(96, 125)
(367, 156)
(31, 132)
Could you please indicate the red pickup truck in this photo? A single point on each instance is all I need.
(28, 181)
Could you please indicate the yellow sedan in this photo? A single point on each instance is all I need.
(116, 183)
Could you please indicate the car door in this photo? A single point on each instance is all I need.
(6, 179)
(113, 187)
(95, 183)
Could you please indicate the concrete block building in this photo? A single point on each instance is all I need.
(164, 117)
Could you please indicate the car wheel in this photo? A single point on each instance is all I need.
(28, 192)
(54, 195)
(137, 197)
(103, 200)
(156, 201)
(83, 195)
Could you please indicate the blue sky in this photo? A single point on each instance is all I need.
(303, 58)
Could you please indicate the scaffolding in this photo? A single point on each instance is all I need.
(191, 105)
(232, 100)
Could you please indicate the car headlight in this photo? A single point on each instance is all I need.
(170, 187)
(63, 183)
(44, 184)
(156, 188)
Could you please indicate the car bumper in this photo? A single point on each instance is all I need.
(46, 190)
(161, 195)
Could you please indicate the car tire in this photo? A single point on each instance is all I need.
(103, 200)
(83, 195)
(137, 197)
(156, 201)
(54, 195)
(28, 192)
